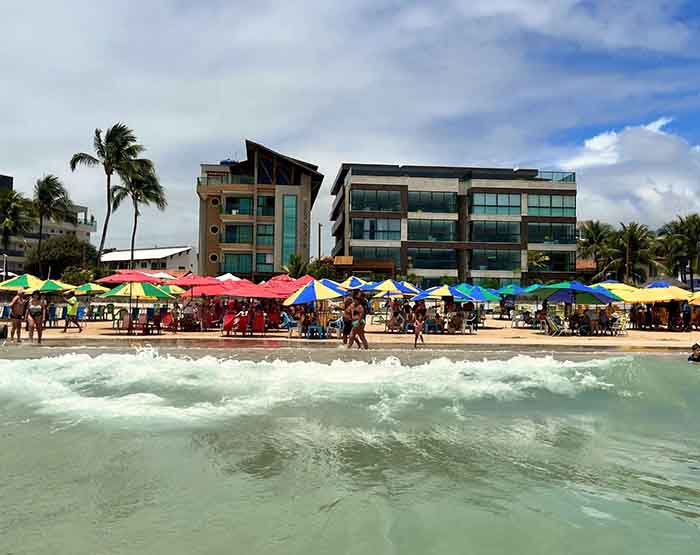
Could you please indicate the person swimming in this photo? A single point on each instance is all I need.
(695, 355)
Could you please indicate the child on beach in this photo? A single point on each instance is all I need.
(418, 329)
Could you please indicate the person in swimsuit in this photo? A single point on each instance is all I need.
(695, 355)
(418, 329)
(18, 307)
(357, 335)
(36, 314)
(347, 320)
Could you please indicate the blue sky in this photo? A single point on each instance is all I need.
(548, 83)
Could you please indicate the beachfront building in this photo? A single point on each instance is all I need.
(255, 214)
(482, 225)
(178, 259)
(81, 224)
(6, 182)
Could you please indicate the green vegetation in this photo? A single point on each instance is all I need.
(59, 253)
(50, 202)
(16, 216)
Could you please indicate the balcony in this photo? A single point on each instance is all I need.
(87, 221)
(226, 180)
(559, 177)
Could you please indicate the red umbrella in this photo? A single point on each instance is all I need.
(303, 280)
(281, 278)
(254, 291)
(193, 280)
(129, 277)
(213, 290)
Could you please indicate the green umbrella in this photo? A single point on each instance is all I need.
(50, 286)
(575, 293)
(479, 294)
(25, 281)
(90, 289)
(138, 290)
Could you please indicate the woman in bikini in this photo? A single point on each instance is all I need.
(36, 314)
(357, 335)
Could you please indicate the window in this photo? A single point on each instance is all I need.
(215, 201)
(495, 232)
(506, 261)
(238, 263)
(284, 172)
(289, 227)
(239, 205)
(444, 259)
(265, 234)
(375, 201)
(238, 233)
(213, 257)
(555, 234)
(551, 261)
(432, 230)
(266, 205)
(263, 263)
(381, 230)
(496, 203)
(265, 168)
(378, 253)
(214, 230)
(551, 205)
(426, 201)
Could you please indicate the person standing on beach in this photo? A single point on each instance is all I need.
(18, 307)
(357, 335)
(347, 320)
(418, 329)
(36, 315)
(72, 312)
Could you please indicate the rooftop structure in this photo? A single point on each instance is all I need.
(157, 258)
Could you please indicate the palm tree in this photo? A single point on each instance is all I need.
(15, 216)
(593, 241)
(631, 252)
(144, 189)
(686, 232)
(117, 152)
(296, 267)
(51, 202)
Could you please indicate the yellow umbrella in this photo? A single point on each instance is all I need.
(25, 281)
(90, 289)
(659, 295)
(50, 286)
(139, 291)
(622, 290)
(695, 299)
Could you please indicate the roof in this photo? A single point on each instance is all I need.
(143, 254)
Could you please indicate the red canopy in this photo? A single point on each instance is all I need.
(281, 278)
(284, 288)
(193, 280)
(129, 277)
(233, 289)
(213, 290)
(303, 280)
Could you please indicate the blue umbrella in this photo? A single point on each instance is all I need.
(479, 294)
(659, 285)
(574, 292)
(370, 286)
(511, 289)
(441, 291)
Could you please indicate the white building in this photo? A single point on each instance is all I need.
(158, 258)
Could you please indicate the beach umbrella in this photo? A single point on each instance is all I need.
(128, 277)
(444, 291)
(695, 299)
(315, 291)
(228, 277)
(90, 289)
(478, 294)
(140, 291)
(25, 281)
(659, 295)
(388, 295)
(353, 283)
(369, 286)
(573, 292)
(510, 290)
(623, 291)
(171, 289)
(193, 280)
(393, 286)
(50, 286)
(530, 289)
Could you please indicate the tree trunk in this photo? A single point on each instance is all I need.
(107, 216)
(133, 234)
(38, 247)
(692, 285)
(627, 263)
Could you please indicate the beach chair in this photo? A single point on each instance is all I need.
(227, 325)
(51, 316)
(335, 326)
(258, 323)
(553, 328)
(5, 312)
(288, 324)
(150, 313)
(167, 321)
(109, 312)
(619, 326)
(122, 321)
(135, 311)
(80, 315)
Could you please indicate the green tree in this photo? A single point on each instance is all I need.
(670, 250)
(50, 202)
(632, 253)
(60, 252)
(296, 267)
(143, 188)
(116, 152)
(594, 241)
(321, 268)
(16, 216)
(685, 233)
(84, 273)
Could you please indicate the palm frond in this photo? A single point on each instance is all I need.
(83, 159)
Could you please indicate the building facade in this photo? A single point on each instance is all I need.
(256, 213)
(6, 182)
(182, 259)
(82, 226)
(482, 225)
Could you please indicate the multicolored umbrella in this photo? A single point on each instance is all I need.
(478, 294)
(393, 286)
(90, 289)
(573, 292)
(171, 289)
(444, 291)
(388, 295)
(140, 291)
(315, 291)
(510, 290)
(369, 286)
(25, 281)
(353, 283)
(128, 277)
(50, 286)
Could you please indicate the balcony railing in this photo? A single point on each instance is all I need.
(560, 177)
(226, 180)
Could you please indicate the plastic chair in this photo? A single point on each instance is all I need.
(80, 315)
(150, 313)
(288, 323)
(5, 312)
(51, 316)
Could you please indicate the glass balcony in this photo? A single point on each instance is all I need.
(225, 180)
(560, 177)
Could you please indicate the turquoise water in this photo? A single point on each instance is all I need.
(148, 453)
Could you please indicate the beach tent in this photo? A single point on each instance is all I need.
(140, 291)
(353, 283)
(50, 286)
(315, 291)
(25, 281)
(573, 292)
(90, 289)
(444, 291)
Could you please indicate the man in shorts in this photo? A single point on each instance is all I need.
(18, 307)
(72, 312)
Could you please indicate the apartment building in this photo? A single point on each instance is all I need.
(481, 225)
(256, 213)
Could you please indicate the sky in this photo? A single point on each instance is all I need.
(608, 88)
